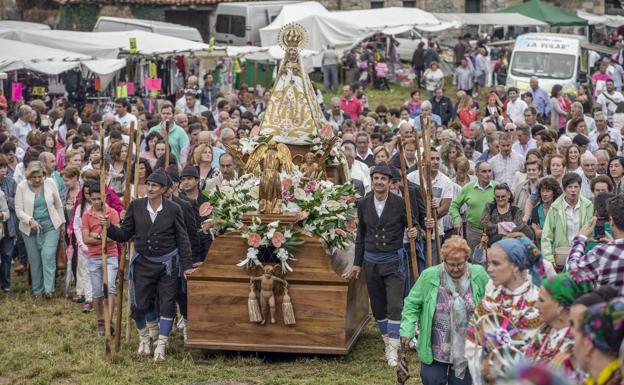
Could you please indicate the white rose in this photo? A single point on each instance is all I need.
(228, 191)
(254, 192)
(333, 205)
(300, 194)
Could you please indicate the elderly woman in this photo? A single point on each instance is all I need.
(553, 344)
(500, 216)
(507, 317)
(441, 303)
(598, 336)
(39, 209)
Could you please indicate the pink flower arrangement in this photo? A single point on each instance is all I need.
(302, 215)
(311, 186)
(287, 183)
(327, 131)
(341, 232)
(351, 225)
(287, 196)
(254, 240)
(278, 239)
(205, 209)
(333, 152)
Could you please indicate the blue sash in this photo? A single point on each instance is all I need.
(167, 260)
(386, 257)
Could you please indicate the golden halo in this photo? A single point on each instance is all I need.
(292, 35)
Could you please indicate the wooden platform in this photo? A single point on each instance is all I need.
(330, 312)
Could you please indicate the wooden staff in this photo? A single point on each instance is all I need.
(421, 179)
(137, 149)
(429, 192)
(408, 207)
(166, 138)
(122, 260)
(104, 236)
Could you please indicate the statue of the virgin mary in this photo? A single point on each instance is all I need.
(292, 115)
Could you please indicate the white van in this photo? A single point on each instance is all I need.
(240, 23)
(554, 58)
(114, 24)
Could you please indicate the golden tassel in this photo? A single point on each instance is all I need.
(287, 309)
(255, 315)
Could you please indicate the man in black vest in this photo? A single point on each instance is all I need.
(379, 248)
(162, 249)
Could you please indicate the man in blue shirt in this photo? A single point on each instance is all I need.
(541, 99)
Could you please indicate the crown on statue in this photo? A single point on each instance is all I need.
(292, 35)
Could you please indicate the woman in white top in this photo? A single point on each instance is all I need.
(39, 209)
(434, 78)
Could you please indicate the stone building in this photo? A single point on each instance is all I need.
(82, 14)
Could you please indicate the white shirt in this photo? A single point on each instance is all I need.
(523, 149)
(359, 171)
(608, 103)
(21, 130)
(613, 134)
(197, 109)
(515, 110)
(153, 213)
(379, 205)
(573, 219)
(126, 120)
(442, 189)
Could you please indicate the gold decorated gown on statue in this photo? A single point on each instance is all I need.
(293, 115)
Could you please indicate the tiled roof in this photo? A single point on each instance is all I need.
(145, 2)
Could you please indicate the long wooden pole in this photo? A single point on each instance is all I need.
(122, 261)
(429, 196)
(137, 149)
(408, 207)
(104, 236)
(166, 138)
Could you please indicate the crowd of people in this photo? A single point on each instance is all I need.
(531, 180)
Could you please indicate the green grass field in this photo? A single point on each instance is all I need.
(53, 342)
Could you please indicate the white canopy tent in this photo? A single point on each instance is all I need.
(16, 24)
(497, 19)
(344, 29)
(105, 44)
(613, 21)
(16, 55)
(262, 53)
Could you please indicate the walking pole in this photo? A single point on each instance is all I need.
(421, 179)
(122, 260)
(429, 196)
(166, 138)
(137, 149)
(104, 236)
(408, 208)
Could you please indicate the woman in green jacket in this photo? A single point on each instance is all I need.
(441, 303)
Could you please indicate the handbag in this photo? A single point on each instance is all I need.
(61, 251)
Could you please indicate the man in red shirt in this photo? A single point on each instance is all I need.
(349, 103)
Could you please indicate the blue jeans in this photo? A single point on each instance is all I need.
(439, 373)
(95, 272)
(6, 252)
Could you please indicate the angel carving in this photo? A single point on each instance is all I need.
(268, 160)
(269, 281)
(239, 157)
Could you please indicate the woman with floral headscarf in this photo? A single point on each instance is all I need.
(507, 317)
(597, 340)
(553, 344)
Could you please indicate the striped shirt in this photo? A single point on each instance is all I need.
(602, 265)
(504, 169)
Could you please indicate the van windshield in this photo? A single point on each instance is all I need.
(231, 24)
(543, 65)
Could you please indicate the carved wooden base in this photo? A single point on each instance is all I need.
(330, 312)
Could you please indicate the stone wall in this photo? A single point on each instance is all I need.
(593, 6)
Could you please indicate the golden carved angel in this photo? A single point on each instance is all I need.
(268, 160)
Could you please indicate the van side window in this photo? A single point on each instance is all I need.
(231, 24)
